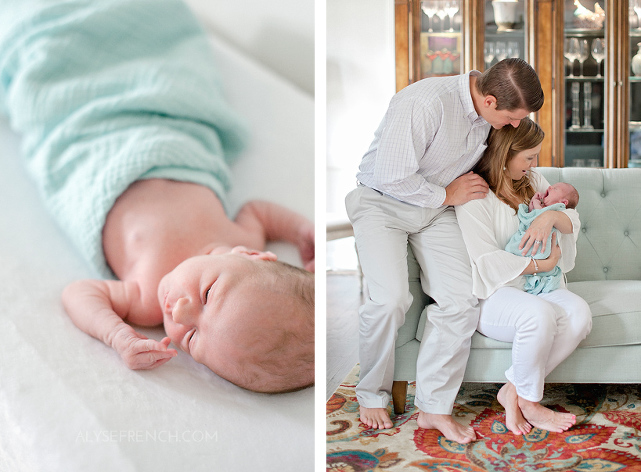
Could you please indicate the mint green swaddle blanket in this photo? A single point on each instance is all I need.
(107, 92)
(543, 282)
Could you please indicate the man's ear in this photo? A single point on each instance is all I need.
(254, 254)
(489, 100)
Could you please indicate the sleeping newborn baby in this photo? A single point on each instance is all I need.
(239, 311)
(557, 197)
(127, 135)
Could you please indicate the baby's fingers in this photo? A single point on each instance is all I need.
(151, 359)
(147, 354)
(155, 360)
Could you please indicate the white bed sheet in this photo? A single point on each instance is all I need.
(68, 403)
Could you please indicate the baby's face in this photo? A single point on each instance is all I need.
(557, 193)
(211, 305)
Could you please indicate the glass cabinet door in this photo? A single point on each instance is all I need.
(635, 83)
(584, 48)
(505, 31)
(440, 39)
(586, 52)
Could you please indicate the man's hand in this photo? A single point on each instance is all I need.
(467, 187)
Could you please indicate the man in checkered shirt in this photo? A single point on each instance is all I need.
(416, 170)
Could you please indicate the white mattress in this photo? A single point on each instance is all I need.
(68, 403)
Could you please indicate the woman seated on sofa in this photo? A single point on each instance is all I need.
(545, 328)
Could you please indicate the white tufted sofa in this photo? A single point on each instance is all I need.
(607, 275)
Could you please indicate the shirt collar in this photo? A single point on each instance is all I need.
(466, 96)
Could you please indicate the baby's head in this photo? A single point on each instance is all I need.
(246, 316)
(561, 192)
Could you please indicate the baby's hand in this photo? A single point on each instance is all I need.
(306, 245)
(536, 202)
(140, 352)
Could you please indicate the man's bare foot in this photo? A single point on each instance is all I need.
(377, 418)
(544, 418)
(514, 420)
(448, 427)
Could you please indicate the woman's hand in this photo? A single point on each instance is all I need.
(537, 234)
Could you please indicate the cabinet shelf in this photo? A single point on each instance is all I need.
(584, 131)
(586, 79)
(584, 33)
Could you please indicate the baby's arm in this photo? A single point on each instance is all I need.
(99, 307)
(277, 223)
(536, 203)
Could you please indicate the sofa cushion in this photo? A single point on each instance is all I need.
(616, 315)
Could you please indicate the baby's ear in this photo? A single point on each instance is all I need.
(254, 254)
(565, 201)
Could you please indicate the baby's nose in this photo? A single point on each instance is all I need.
(182, 312)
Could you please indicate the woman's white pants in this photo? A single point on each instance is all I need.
(544, 330)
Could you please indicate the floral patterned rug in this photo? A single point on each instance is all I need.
(607, 436)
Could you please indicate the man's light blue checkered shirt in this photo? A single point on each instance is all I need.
(429, 136)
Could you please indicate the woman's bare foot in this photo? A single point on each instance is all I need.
(514, 420)
(377, 418)
(544, 418)
(448, 427)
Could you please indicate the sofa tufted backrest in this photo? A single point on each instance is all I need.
(609, 244)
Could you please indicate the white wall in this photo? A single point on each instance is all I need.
(277, 33)
(360, 83)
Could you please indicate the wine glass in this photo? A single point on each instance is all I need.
(584, 53)
(513, 49)
(571, 52)
(451, 7)
(598, 53)
(429, 9)
(500, 51)
(441, 13)
(488, 50)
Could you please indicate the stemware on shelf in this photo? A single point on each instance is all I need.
(571, 52)
(584, 53)
(429, 8)
(576, 121)
(451, 8)
(587, 106)
(500, 50)
(513, 49)
(489, 54)
(441, 13)
(598, 53)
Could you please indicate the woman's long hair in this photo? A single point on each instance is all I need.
(502, 145)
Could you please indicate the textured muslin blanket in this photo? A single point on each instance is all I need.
(542, 282)
(108, 92)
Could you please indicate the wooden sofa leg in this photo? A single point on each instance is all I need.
(399, 395)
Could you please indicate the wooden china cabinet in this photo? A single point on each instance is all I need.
(583, 50)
